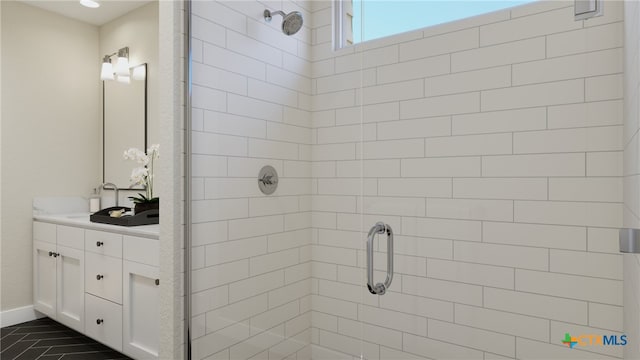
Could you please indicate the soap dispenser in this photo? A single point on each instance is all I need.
(94, 201)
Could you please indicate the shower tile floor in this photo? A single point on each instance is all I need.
(45, 339)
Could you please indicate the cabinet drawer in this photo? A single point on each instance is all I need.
(103, 321)
(141, 250)
(44, 232)
(103, 276)
(103, 243)
(72, 237)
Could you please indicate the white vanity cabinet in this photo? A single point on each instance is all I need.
(140, 309)
(101, 282)
(141, 297)
(58, 259)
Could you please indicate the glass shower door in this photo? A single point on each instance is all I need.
(492, 147)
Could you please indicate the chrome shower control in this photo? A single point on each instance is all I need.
(268, 180)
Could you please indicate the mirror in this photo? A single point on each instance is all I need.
(124, 127)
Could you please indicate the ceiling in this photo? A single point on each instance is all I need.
(108, 10)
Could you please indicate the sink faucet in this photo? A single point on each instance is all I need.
(113, 187)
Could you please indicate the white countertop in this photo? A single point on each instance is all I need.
(82, 220)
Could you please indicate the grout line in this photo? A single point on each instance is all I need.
(44, 352)
(25, 350)
(17, 341)
(8, 333)
(586, 170)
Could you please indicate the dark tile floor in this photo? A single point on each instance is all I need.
(45, 339)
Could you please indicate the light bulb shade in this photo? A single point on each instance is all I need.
(90, 3)
(139, 72)
(125, 79)
(107, 71)
(122, 66)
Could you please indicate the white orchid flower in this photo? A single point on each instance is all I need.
(137, 155)
(143, 175)
(139, 176)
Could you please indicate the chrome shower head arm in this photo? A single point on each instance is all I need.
(269, 14)
(291, 22)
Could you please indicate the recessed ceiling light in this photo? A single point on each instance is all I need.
(90, 3)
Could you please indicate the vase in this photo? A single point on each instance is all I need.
(140, 207)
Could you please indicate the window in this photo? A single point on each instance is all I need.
(363, 20)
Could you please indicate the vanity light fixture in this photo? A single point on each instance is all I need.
(121, 71)
(106, 73)
(122, 66)
(90, 3)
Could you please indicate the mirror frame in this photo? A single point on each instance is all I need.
(146, 132)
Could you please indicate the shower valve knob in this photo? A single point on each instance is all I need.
(266, 180)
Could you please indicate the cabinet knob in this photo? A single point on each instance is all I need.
(50, 253)
(99, 321)
(56, 254)
(99, 243)
(157, 281)
(98, 277)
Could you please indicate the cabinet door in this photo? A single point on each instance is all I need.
(44, 278)
(71, 287)
(141, 311)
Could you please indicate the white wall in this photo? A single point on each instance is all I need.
(631, 172)
(1, 193)
(139, 31)
(51, 124)
(493, 147)
(171, 35)
(251, 102)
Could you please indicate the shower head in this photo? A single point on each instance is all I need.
(292, 22)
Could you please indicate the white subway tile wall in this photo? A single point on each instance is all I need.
(493, 146)
(252, 91)
(631, 184)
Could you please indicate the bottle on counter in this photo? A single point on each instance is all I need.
(94, 201)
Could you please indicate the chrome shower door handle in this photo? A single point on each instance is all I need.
(379, 288)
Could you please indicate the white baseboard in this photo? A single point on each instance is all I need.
(19, 315)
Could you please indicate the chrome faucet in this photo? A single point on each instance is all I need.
(113, 187)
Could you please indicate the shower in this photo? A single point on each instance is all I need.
(291, 23)
(438, 192)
